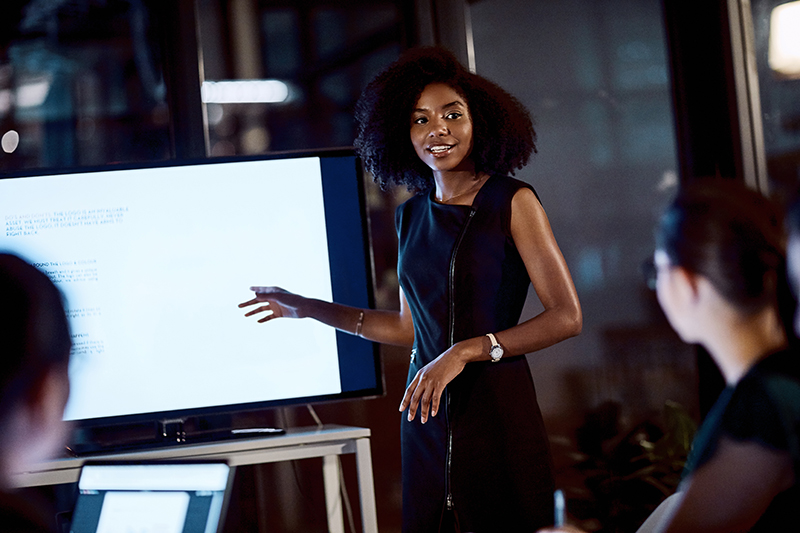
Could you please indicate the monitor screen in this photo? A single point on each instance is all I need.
(153, 262)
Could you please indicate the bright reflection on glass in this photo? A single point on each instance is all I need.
(5, 102)
(9, 141)
(244, 92)
(33, 93)
(784, 40)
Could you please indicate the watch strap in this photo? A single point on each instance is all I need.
(493, 340)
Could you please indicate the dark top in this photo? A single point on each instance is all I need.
(20, 514)
(763, 407)
(486, 451)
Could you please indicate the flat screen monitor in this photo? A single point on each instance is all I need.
(153, 261)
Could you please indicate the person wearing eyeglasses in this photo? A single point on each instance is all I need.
(720, 277)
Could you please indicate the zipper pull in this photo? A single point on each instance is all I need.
(449, 502)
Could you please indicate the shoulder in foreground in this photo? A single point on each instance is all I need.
(785, 362)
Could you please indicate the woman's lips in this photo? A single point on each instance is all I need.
(440, 149)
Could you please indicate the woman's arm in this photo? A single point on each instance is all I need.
(732, 490)
(726, 495)
(387, 327)
(560, 319)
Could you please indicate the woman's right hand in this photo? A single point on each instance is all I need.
(389, 327)
(277, 303)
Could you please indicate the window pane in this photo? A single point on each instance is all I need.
(595, 77)
(323, 51)
(777, 49)
(80, 85)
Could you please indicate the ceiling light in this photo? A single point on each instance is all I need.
(244, 92)
(784, 40)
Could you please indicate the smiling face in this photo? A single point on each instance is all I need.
(441, 129)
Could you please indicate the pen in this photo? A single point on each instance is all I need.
(559, 508)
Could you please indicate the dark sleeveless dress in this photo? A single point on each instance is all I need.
(486, 454)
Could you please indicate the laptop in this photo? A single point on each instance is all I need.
(164, 497)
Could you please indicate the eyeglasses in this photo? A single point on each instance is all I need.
(650, 273)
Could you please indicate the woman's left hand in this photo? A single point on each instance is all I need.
(425, 390)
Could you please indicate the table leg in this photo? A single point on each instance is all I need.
(366, 486)
(333, 493)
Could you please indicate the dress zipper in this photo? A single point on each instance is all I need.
(449, 497)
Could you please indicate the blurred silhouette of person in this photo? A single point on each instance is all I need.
(34, 355)
(720, 273)
(793, 254)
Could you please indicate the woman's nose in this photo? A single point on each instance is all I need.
(438, 127)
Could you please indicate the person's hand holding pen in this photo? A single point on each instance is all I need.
(562, 529)
(560, 512)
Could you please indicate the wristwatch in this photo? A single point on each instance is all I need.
(496, 351)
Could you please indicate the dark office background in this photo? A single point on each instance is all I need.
(630, 97)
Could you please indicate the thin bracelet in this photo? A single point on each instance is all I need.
(359, 324)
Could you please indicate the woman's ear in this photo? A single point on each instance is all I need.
(687, 284)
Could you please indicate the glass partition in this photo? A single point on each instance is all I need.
(595, 76)
(777, 53)
(315, 56)
(80, 84)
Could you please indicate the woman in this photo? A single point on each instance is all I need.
(33, 385)
(472, 240)
(720, 263)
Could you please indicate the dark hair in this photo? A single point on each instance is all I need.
(34, 333)
(503, 134)
(734, 237)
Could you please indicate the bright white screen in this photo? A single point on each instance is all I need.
(143, 512)
(153, 263)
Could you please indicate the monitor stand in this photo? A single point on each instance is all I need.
(162, 433)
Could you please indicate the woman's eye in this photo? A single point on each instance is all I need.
(453, 114)
(420, 120)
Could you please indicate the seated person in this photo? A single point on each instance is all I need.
(34, 355)
(721, 281)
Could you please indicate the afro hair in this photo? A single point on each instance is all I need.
(503, 134)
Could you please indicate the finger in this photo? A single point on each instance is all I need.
(409, 391)
(249, 302)
(424, 405)
(413, 405)
(412, 408)
(437, 397)
(257, 310)
(267, 318)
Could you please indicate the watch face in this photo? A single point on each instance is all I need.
(496, 352)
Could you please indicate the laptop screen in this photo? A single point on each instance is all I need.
(151, 497)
